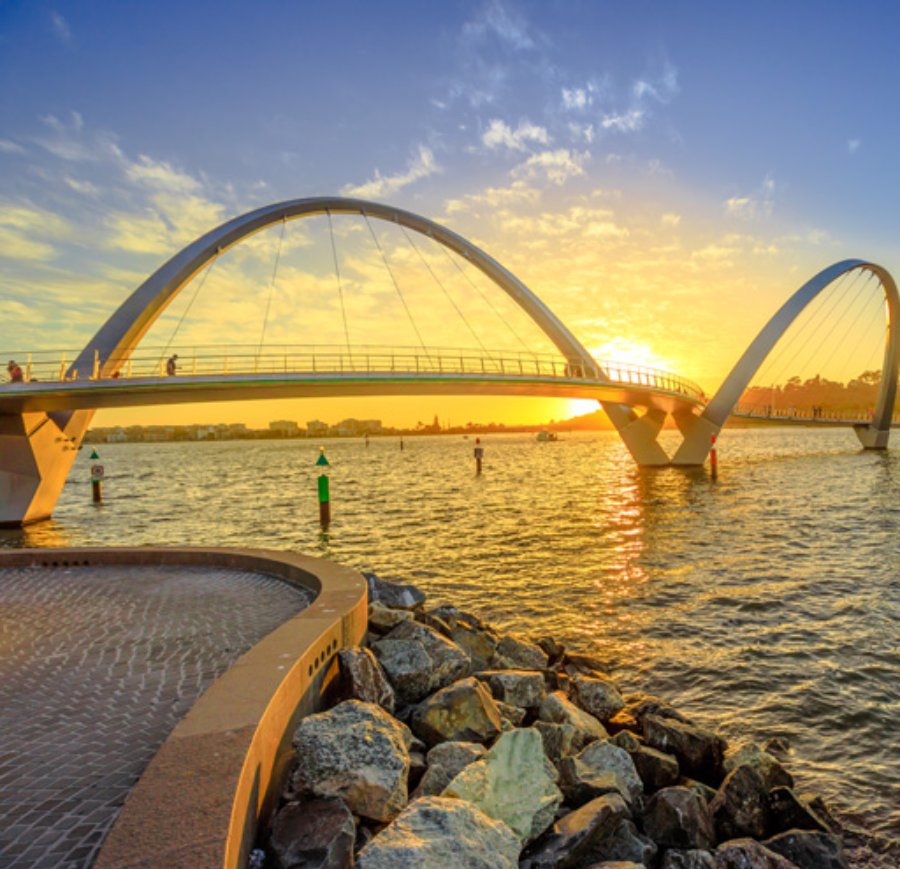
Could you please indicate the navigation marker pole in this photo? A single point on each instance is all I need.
(713, 460)
(97, 472)
(479, 455)
(324, 494)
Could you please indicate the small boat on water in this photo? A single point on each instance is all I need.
(545, 435)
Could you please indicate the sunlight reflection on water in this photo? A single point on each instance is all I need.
(766, 602)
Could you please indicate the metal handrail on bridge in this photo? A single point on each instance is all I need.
(804, 414)
(55, 365)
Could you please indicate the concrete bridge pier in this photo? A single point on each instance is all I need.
(37, 451)
(872, 438)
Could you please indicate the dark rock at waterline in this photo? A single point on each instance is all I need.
(677, 817)
(749, 854)
(787, 812)
(600, 697)
(553, 649)
(363, 679)
(524, 688)
(477, 644)
(515, 653)
(418, 661)
(640, 705)
(808, 850)
(383, 619)
(598, 769)
(693, 858)
(624, 842)
(355, 751)
(699, 751)
(393, 594)
(769, 768)
(435, 622)
(572, 835)
(704, 791)
(741, 806)
(463, 711)
(314, 834)
(656, 768)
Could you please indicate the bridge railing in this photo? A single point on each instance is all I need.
(812, 414)
(56, 365)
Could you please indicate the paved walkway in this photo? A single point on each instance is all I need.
(97, 665)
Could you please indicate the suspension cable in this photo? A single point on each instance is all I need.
(444, 290)
(190, 304)
(879, 312)
(262, 334)
(487, 300)
(390, 271)
(340, 286)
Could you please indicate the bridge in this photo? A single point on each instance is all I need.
(43, 419)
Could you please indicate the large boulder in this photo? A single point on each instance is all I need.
(677, 818)
(573, 834)
(383, 619)
(514, 783)
(788, 812)
(463, 711)
(598, 769)
(357, 752)
(445, 762)
(749, 854)
(314, 833)
(363, 679)
(741, 807)
(393, 594)
(478, 644)
(600, 697)
(693, 858)
(808, 849)
(624, 842)
(656, 768)
(514, 653)
(699, 751)
(766, 765)
(437, 832)
(558, 709)
(418, 661)
(638, 706)
(524, 688)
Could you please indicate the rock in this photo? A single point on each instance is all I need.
(560, 740)
(808, 850)
(515, 715)
(383, 619)
(454, 616)
(514, 653)
(574, 833)
(627, 740)
(600, 697)
(770, 770)
(624, 842)
(392, 594)
(440, 832)
(418, 661)
(477, 644)
(314, 833)
(600, 768)
(523, 688)
(656, 769)
(513, 784)
(640, 705)
(551, 648)
(617, 864)
(787, 811)
(355, 751)
(363, 679)
(558, 709)
(417, 767)
(623, 721)
(587, 664)
(445, 762)
(677, 818)
(705, 792)
(699, 751)
(463, 711)
(434, 622)
(741, 807)
(749, 854)
(691, 859)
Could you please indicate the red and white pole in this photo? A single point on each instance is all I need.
(713, 459)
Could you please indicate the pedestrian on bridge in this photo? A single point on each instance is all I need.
(171, 365)
(15, 372)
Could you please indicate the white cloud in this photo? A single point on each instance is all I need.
(68, 140)
(556, 166)
(518, 193)
(9, 147)
(497, 19)
(627, 122)
(161, 176)
(84, 187)
(575, 99)
(671, 219)
(582, 132)
(499, 135)
(760, 203)
(421, 165)
(61, 28)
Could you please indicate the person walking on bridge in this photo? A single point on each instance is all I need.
(15, 372)
(171, 365)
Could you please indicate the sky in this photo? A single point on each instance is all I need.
(661, 174)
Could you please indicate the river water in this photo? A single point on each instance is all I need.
(765, 603)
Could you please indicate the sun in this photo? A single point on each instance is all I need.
(631, 352)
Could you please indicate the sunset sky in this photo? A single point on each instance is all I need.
(662, 174)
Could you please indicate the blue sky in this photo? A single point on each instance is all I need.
(661, 174)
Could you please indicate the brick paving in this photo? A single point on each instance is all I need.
(97, 665)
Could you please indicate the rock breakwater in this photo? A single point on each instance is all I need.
(453, 745)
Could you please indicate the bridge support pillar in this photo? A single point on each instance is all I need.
(697, 432)
(640, 433)
(36, 454)
(871, 438)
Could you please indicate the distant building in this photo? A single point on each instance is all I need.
(350, 428)
(285, 428)
(316, 428)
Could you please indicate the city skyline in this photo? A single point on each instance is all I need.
(662, 177)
